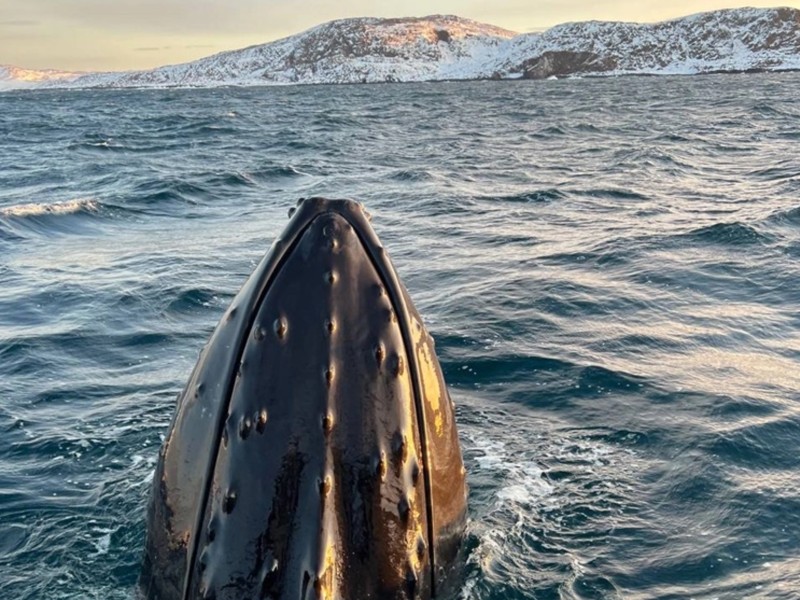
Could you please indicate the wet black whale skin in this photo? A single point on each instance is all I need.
(314, 451)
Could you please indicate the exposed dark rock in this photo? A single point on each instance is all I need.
(561, 64)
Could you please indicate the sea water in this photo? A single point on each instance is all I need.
(610, 267)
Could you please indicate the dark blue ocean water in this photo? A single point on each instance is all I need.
(611, 269)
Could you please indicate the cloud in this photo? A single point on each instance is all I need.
(143, 17)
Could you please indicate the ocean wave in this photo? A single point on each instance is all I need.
(411, 175)
(6, 235)
(38, 209)
(97, 144)
(549, 132)
(535, 196)
(731, 148)
(613, 193)
(750, 445)
(189, 300)
(277, 172)
(587, 128)
(731, 234)
(215, 130)
(789, 216)
(226, 180)
(168, 190)
(782, 171)
(768, 110)
(500, 368)
(651, 157)
(676, 138)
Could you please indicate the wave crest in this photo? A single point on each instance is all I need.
(37, 209)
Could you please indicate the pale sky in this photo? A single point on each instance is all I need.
(138, 34)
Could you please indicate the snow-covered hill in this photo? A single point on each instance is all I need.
(438, 47)
(364, 50)
(16, 78)
(727, 40)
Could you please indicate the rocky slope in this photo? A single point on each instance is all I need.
(446, 47)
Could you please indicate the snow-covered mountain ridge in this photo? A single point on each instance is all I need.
(370, 50)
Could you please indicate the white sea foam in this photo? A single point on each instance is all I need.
(536, 482)
(522, 479)
(36, 209)
(467, 590)
(102, 543)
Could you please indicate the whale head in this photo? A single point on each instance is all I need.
(314, 451)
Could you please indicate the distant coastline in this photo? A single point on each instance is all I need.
(450, 48)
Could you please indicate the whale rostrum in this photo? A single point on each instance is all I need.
(314, 451)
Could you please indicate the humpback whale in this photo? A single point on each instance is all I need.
(313, 452)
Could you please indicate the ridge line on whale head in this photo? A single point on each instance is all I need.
(353, 484)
